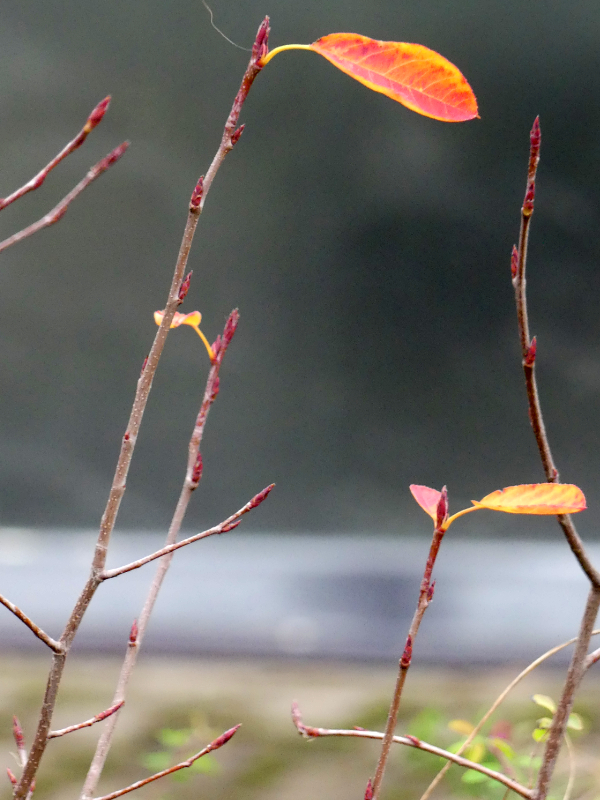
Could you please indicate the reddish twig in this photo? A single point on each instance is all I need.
(425, 597)
(528, 352)
(48, 640)
(410, 741)
(88, 723)
(92, 121)
(60, 209)
(227, 525)
(223, 739)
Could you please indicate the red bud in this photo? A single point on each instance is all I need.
(113, 156)
(11, 776)
(258, 499)
(197, 471)
(144, 366)
(185, 285)
(97, 114)
(134, 632)
(442, 509)
(18, 734)
(261, 43)
(225, 737)
(235, 136)
(196, 198)
(514, 263)
(369, 790)
(407, 654)
(529, 359)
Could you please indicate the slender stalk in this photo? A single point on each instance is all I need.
(425, 597)
(223, 739)
(92, 121)
(497, 702)
(229, 138)
(88, 722)
(411, 741)
(60, 209)
(528, 350)
(565, 704)
(48, 640)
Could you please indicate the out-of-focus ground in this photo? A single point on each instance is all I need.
(267, 759)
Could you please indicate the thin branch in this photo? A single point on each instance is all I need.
(497, 702)
(227, 525)
(571, 781)
(194, 468)
(529, 349)
(88, 723)
(425, 598)
(565, 704)
(410, 741)
(60, 209)
(48, 640)
(223, 739)
(230, 137)
(92, 121)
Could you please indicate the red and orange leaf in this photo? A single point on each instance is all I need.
(415, 76)
(193, 318)
(535, 498)
(427, 498)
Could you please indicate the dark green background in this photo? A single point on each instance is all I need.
(367, 248)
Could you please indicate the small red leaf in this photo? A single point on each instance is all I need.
(427, 498)
(415, 76)
(535, 498)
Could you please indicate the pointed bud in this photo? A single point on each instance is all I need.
(369, 790)
(514, 263)
(185, 286)
(110, 159)
(412, 739)
(133, 634)
(529, 359)
(442, 510)
(216, 346)
(97, 114)
(18, 734)
(11, 776)
(235, 136)
(258, 499)
(535, 138)
(196, 198)
(197, 471)
(261, 43)
(407, 654)
(144, 366)
(225, 737)
(231, 326)
(230, 526)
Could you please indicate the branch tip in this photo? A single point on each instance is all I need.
(261, 43)
(95, 118)
(261, 496)
(112, 157)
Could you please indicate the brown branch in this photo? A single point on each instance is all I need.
(194, 468)
(223, 739)
(88, 723)
(425, 598)
(410, 741)
(528, 351)
(227, 525)
(230, 137)
(92, 121)
(60, 209)
(48, 640)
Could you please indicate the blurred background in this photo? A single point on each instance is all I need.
(368, 250)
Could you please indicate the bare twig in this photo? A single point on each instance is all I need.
(230, 137)
(60, 209)
(48, 640)
(528, 351)
(88, 723)
(227, 525)
(223, 739)
(94, 119)
(425, 598)
(497, 702)
(410, 741)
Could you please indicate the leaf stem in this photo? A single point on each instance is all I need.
(265, 59)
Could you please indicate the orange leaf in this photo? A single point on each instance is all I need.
(535, 498)
(193, 318)
(415, 76)
(427, 498)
